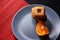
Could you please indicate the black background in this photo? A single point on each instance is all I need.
(54, 4)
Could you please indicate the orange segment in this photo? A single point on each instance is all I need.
(41, 29)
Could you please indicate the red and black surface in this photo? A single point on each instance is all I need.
(8, 8)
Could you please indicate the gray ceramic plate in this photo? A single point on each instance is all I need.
(23, 25)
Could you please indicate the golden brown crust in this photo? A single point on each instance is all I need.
(38, 13)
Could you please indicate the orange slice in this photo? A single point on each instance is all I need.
(41, 29)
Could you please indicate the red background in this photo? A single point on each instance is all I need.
(8, 8)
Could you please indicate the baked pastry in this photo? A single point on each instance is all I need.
(38, 13)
